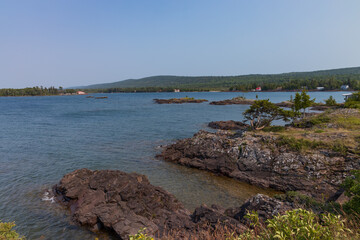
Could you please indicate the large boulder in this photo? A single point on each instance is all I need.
(121, 202)
(265, 206)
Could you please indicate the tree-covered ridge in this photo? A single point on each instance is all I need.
(35, 91)
(329, 79)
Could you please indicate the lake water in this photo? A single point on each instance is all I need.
(43, 138)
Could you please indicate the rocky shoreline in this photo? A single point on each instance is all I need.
(123, 203)
(258, 160)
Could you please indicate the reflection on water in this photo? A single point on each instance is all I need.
(43, 138)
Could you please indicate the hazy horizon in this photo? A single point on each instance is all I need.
(79, 43)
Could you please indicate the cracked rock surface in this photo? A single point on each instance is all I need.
(257, 159)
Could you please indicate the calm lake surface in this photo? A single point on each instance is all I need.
(43, 138)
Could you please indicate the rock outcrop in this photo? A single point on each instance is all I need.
(121, 202)
(228, 125)
(124, 203)
(257, 159)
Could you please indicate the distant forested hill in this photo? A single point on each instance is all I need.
(330, 79)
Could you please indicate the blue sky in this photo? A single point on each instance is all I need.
(80, 42)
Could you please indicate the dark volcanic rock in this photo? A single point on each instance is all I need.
(215, 217)
(228, 125)
(265, 206)
(257, 159)
(125, 203)
(121, 202)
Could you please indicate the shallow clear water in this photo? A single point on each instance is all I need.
(43, 138)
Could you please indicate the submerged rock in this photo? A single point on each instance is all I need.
(257, 159)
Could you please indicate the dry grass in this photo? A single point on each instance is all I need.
(337, 129)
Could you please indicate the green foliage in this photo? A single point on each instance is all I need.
(309, 202)
(302, 101)
(353, 101)
(239, 98)
(330, 79)
(274, 129)
(262, 112)
(352, 122)
(352, 190)
(34, 91)
(140, 236)
(300, 224)
(330, 101)
(317, 120)
(7, 232)
(300, 144)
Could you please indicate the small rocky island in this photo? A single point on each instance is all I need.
(235, 100)
(179, 100)
(243, 101)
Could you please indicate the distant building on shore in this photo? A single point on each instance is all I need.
(258, 89)
(344, 87)
(176, 90)
(320, 88)
(80, 93)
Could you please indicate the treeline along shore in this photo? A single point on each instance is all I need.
(35, 91)
(326, 80)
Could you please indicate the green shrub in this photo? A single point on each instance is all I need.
(352, 190)
(308, 202)
(7, 233)
(352, 104)
(310, 122)
(274, 129)
(353, 101)
(140, 236)
(330, 101)
(299, 144)
(300, 224)
(320, 119)
(239, 98)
